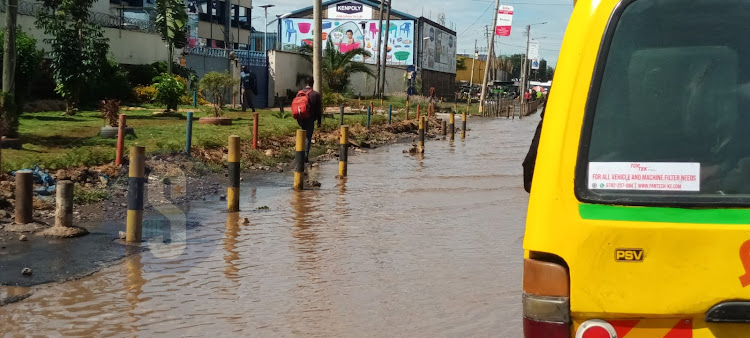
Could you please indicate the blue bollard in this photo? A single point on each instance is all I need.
(195, 99)
(390, 113)
(189, 133)
(369, 111)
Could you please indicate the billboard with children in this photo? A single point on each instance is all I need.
(347, 35)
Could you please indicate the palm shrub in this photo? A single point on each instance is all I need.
(338, 67)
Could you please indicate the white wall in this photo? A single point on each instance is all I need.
(284, 66)
(125, 46)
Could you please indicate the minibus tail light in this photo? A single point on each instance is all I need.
(546, 298)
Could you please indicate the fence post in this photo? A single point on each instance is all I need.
(299, 172)
(256, 121)
(136, 183)
(121, 124)
(233, 165)
(189, 133)
(343, 151)
(341, 116)
(407, 110)
(419, 115)
(369, 111)
(24, 196)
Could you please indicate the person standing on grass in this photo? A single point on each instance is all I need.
(249, 88)
(307, 107)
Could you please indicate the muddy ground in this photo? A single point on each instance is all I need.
(173, 179)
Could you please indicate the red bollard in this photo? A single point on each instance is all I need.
(255, 131)
(120, 139)
(418, 113)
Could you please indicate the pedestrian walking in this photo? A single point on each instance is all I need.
(249, 88)
(307, 107)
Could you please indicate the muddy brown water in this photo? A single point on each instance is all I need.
(407, 246)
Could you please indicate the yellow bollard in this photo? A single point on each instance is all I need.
(420, 143)
(136, 182)
(452, 126)
(233, 192)
(463, 129)
(299, 172)
(343, 151)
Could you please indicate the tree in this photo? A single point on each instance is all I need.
(171, 22)
(214, 86)
(26, 67)
(79, 48)
(338, 67)
(461, 63)
(169, 90)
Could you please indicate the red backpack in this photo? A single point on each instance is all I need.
(301, 105)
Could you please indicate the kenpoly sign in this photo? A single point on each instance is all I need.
(504, 20)
(349, 10)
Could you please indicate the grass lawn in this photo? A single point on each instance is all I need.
(54, 142)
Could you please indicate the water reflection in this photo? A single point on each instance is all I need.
(230, 246)
(134, 283)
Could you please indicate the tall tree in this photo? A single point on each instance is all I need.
(171, 21)
(79, 48)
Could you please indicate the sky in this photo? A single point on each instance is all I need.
(470, 18)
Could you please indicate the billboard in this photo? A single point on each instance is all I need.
(349, 10)
(439, 49)
(347, 35)
(533, 50)
(504, 20)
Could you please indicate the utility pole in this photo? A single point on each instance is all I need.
(474, 59)
(317, 45)
(9, 120)
(487, 68)
(379, 28)
(524, 71)
(381, 90)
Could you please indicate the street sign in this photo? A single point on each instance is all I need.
(504, 20)
(533, 50)
(535, 64)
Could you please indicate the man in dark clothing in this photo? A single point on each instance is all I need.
(316, 113)
(530, 161)
(249, 88)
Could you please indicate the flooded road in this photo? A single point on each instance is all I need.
(405, 247)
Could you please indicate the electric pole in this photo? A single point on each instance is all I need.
(474, 59)
(381, 90)
(487, 68)
(524, 71)
(317, 45)
(378, 30)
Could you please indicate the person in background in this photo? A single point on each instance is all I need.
(249, 88)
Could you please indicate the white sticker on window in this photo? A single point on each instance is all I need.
(644, 176)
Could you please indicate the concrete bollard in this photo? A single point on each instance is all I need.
(369, 112)
(24, 196)
(189, 133)
(463, 126)
(299, 160)
(390, 113)
(64, 204)
(444, 127)
(120, 138)
(420, 143)
(256, 121)
(233, 165)
(136, 185)
(341, 116)
(343, 151)
(452, 125)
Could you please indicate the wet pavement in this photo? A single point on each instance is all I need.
(407, 246)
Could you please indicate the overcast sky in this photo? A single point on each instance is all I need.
(470, 23)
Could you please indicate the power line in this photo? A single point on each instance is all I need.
(475, 21)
